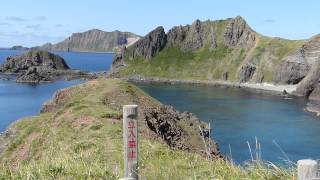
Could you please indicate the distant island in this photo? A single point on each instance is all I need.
(19, 47)
(93, 40)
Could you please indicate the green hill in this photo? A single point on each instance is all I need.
(209, 50)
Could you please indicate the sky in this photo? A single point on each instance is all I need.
(35, 22)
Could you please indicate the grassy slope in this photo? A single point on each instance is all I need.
(269, 52)
(83, 140)
(210, 64)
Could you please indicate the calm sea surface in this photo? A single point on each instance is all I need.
(20, 100)
(282, 127)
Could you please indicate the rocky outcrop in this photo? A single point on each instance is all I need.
(93, 41)
(118, 58)
(40, 66)
(200, 34)
(293, 69)
(246, 72)
(34, 75)
(225, 76)
(31, 59)
(238, 33)
(167, 122)
(151, 44)
(296, 66)
(311, 82)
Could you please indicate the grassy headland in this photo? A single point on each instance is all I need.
(206, 51)
(78, 135)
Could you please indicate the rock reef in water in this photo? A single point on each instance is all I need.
(38, 66)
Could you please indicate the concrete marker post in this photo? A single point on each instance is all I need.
(130, 140)
(307, 169)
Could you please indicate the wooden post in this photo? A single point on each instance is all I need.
(130, 140)
(307, 169)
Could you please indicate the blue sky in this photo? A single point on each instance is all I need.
(34, 22)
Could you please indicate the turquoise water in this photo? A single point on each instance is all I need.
(20, 100)
(238, 116)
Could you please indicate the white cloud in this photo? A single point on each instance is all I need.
(28, 39)
(33, 27)
(269, 21)
(11, 18)
(40, 18)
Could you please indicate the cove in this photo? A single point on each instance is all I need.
(18, 100)
(284, 130)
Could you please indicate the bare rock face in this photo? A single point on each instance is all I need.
(238, 32)
(293, 69)
(178, 34)
(225, 76)
(296, 66)
(167, 122)
(194, 36)
(246, 72)
(118, 58)
(151, 44)
(311, 82)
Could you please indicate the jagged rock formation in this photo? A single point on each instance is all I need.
(233, 34)
(224, 49)
(246, 72)
(297, 65)
(166, 122)
(151, 44)
(44, 59)
(309, 86)
(93, 41)
(238, 33)
(40, 66)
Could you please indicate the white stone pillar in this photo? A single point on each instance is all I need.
(130, 140)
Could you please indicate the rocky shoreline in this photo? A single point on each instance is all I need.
(287, 91)
(257, 87)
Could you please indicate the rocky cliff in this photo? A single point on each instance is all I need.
(225, 49)
(93, 41)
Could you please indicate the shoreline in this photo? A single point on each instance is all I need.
(312, 106)
(260, 87)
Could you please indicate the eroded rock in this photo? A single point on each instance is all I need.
(246, 72)
(151, 44)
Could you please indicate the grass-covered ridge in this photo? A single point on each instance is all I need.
(172, 62)
(79, 136)
(209, 63)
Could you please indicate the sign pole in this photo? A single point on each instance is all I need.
(130, 140)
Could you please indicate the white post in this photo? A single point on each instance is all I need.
(307, 169)
(130, 140)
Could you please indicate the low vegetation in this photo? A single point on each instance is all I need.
(210, 64)
(79, 136)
